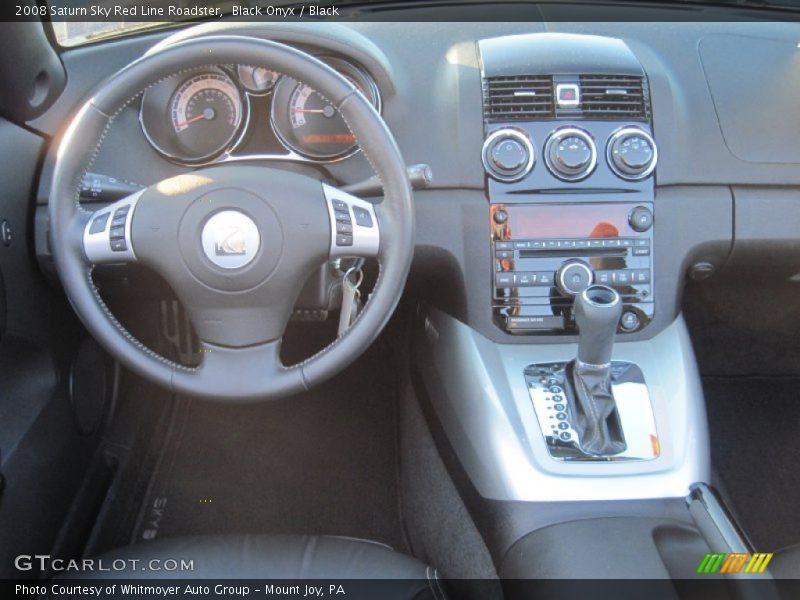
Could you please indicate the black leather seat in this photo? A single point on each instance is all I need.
(279, 557)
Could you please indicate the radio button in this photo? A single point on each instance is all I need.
(623, 277)
(526, 279)
(504, 280)
(629, 321)
(574, 277)
(503, 245)
(641, 218)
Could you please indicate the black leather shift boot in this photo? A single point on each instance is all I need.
(596, 419)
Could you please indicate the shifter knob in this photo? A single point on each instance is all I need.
(597, 312)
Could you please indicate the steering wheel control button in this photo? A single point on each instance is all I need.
(508, 155)
(344, 239)
(362, 216)
(641, 218)
(105, 242)
(230, 239)
(340, 206)
(631, 153)
(99, 223)
(570, 154)
(351, 236)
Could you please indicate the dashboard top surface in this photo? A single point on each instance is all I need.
(429, 79)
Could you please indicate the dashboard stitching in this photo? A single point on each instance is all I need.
(126, 333)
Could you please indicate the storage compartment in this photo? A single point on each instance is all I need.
(608, 548)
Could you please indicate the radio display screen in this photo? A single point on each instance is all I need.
(567, 221)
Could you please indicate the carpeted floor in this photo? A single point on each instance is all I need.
(755, 447)
(321, 462)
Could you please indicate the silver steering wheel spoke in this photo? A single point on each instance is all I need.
(354, 225)
(107, 236)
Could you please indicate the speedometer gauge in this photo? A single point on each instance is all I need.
(193, 119)
(310, 125)
(205, 113)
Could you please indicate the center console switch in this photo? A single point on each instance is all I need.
(543, 255)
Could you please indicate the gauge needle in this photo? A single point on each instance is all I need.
(208, 113)
(190, 121)
(328, 111)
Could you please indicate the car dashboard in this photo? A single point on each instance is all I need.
(524, 128)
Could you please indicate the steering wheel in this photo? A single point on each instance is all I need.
(235, 242)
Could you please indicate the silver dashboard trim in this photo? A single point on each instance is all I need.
(97, 246)
(478, 391)
(560, 134)
(366, 240)
(517, 134)
(630, 129)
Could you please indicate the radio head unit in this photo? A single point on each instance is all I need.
(545, 254)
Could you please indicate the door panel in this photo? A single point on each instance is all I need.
(43, 457)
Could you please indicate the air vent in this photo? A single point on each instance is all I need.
(521, 97)
(614, 97)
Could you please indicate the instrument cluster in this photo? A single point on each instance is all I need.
(234, 112)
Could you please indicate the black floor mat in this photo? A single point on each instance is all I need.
(320, 463)
(755, 447)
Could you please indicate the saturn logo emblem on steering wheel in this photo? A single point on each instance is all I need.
(230, 239)
(230, 242)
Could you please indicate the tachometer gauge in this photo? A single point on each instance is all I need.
(205, 113)
(308, 124)
(257, 79)
(193, 119)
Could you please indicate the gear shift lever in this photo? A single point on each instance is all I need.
(597, 312)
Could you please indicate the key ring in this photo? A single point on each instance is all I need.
(360, 275)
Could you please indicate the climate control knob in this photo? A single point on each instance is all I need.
(631, 153)
(508, 155)
(573, 277)
(570, 154)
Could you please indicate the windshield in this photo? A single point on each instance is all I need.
(77, 22)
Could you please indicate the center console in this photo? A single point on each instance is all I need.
(570, 159)
(575, 402)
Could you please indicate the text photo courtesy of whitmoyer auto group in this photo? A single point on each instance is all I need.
(400, 299)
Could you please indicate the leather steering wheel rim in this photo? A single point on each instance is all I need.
(250, 373)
